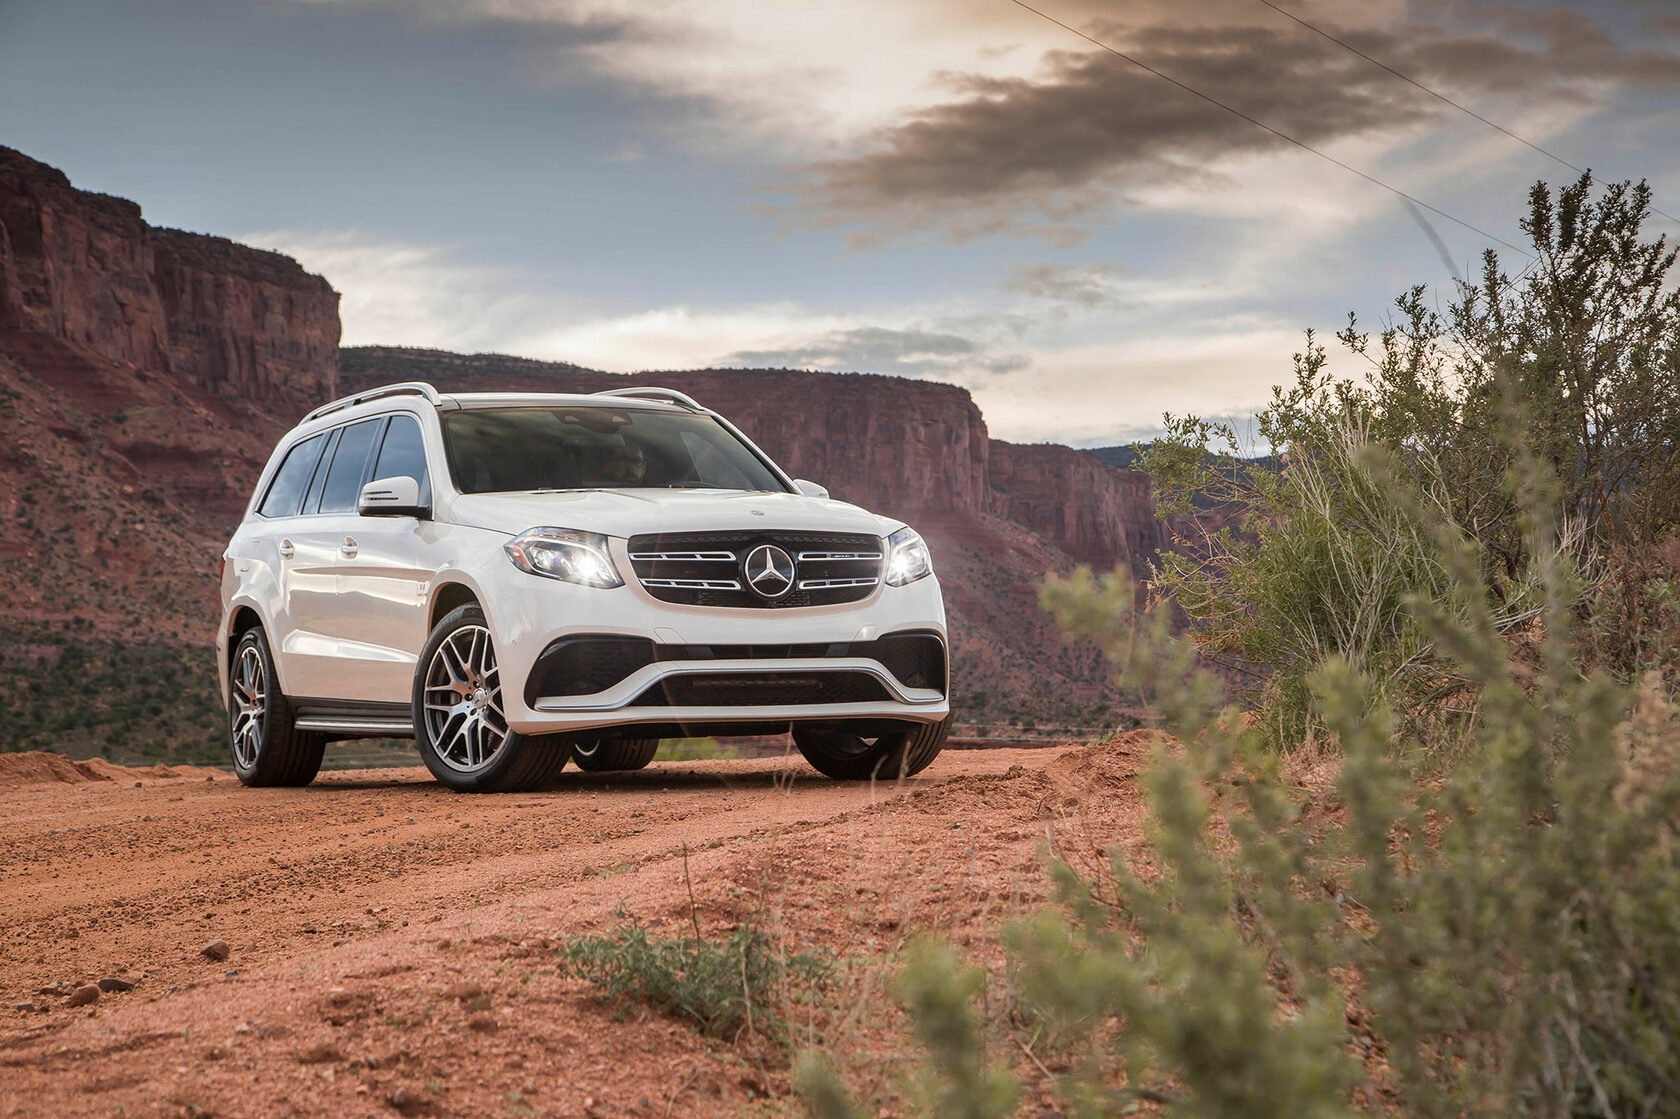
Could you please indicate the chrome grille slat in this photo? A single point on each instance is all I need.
(835, 557)
(684, 557)
(695, 584)
(827, 584)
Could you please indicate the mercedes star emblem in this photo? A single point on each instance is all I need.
(769, 571)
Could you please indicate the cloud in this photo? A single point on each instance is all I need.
(405, 294)
(798, 76)
(1090, 286)
(1019, 153)
(1116, 391)
(875, 349)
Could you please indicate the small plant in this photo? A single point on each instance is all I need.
(724, 988)
(693, 750)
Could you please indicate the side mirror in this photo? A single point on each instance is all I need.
(809, 488)
(391, 497)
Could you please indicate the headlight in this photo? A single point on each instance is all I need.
(561, 553)
(907, 558)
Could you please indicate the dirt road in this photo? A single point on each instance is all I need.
(390, 944)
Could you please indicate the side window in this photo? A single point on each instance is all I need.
(285, 492)
(403, 455)
(344, 479)
(312, 501)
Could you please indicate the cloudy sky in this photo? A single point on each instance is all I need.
(951, 189)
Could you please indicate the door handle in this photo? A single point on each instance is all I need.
(286, 549)
(348, 548)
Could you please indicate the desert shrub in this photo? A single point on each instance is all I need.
(724, 988)
(1492, 940)
(1575, 361)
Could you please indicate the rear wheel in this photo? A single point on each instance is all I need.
(598, 756)
(267, 748)
(850, 757)
(459, 724)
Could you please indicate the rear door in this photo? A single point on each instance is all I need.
(323, 660)
(272, 549)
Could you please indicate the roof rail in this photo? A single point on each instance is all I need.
(653, 392)
(403, 388)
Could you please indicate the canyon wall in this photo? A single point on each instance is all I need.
(1095, 513)
(86, 269)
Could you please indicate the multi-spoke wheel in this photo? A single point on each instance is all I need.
(846, 756)
(464, 717)
(460, 724)
(267, 748)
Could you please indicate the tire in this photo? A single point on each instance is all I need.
(267, 749)
(614, 755)
(850, 757)
(462, 733)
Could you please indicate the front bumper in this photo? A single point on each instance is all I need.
(528, 614)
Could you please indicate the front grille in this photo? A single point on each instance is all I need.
(704, 568)
(734, 689)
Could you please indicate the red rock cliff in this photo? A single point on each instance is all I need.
(86, 269)
(1095, 513)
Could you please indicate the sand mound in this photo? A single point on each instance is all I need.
(113, 772)
(36, 767)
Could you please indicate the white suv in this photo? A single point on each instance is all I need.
(516, 580)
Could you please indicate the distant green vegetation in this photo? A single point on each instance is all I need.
(86, 696)
(693, 750)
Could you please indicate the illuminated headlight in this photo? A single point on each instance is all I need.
(907, 558)
(561, 553)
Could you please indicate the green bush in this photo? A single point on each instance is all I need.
(1486, 930)
(1498, 941)
(1580, 354)
(725, 988)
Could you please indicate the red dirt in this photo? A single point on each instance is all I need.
(392, 941)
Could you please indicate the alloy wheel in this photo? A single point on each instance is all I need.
(463, 701)
(250, 703)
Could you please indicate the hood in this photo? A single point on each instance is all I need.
(625, 513)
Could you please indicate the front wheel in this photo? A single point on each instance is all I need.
(459, 725)
(267, 748)
(851, 757)
(614, 755)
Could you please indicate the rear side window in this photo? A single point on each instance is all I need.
(344, 480)
(292, 479)
(403, 455)
(312, 501)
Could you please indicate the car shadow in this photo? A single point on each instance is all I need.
(655, 778)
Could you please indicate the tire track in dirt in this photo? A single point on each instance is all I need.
(356, 906)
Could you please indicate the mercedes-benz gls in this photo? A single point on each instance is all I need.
(519, 580)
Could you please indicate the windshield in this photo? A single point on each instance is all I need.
(581, 448)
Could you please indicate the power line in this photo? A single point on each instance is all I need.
(1437, 94)
(1302, 144)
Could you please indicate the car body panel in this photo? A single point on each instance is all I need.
(348, 612)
